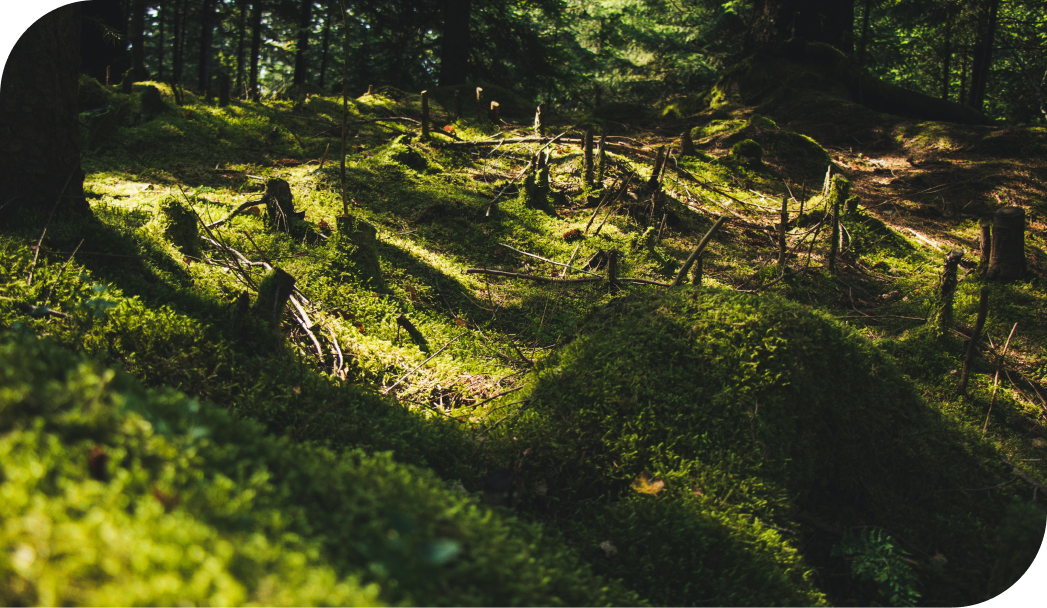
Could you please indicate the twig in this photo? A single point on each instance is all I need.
(698, 250)
(996, 381)
(36, 254)
(531, 277)
(501, 394)
(568, 266)
(62, 272)
(453, 340)
(538, 257)
(236, 212)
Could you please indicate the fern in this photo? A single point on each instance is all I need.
(877, 558)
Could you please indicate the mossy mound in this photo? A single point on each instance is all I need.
(399, 151)
(796, 153)
(756, 409)
(118, 495)
(179, 225)
(747, 152)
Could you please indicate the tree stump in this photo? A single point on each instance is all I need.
(539, 120)
(370, 90)
(942, 316)
(696, 273)
(612, 270)
(279, 204)
(601, 159)
(492, 113)
(223, 90)
(480, 104)
(686, 144)
(1007, 261)
(358, 241)
(985, 224)
(273, 293)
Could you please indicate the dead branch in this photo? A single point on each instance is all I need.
(236, 212)
(538, 257)
(1029, 480)
(431, 357)
(531, 277)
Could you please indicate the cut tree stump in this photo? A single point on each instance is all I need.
(1007, 262)
(273, 294)
(942, 316)
(279, 204)
(986, 245)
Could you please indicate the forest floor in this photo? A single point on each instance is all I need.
(413, 318)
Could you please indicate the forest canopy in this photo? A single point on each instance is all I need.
(986, 54)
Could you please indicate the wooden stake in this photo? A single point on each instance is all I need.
(480, 104)
(698, 250)
(587, 148)
(781, 231)
(539, 120)
(492, 115)
(968, 360)
(986, 245)
(425, 115)
(696, 276)
(612, 270)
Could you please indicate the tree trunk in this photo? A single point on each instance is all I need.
(39, 120)
(828, 21)
(983, 44)
(99, 51)
(947, 57)
(864, 40)
(161, 17)
(455, 44)
(206, 42)
(304, 25)
(241, 26)
(256, 44)
(178, 60)
(136, 33)
(1007, 261)
(323, 45)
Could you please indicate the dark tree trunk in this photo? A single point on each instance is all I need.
(39, 120)
(323, 44)
(864, 40)
(136, 32)
(177, 57)
(256, 44)
(161, 48)
(206, 40)
(304, 25)
(983, 43)
(947, 52)
(828, 21)
(455, 45)
(242, 9)
(98, 50)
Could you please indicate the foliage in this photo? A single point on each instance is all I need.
(877, 558)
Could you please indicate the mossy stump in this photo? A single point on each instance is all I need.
(838, 191)
(357, 240)
(273, 294)
(180, 225)
(152, 102)
(279, 204)
(535, 192)
(748, 153)
(686, 144)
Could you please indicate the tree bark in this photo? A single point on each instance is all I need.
(827, 21)
(304, 25)
(178, 58)
(256, 44)
(947, 52)
(863, 41)
(455, 44)
(136, 33)
(983, 44)
(206, 42)
(39, 120)
(1007, 261)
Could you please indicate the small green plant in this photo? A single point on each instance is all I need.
(876, 558)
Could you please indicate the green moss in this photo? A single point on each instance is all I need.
(747, 152)
(763, 409)
(114, 494)
(400, 152)
(762, 122)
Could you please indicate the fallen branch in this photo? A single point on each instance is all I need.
(1029, 480)
(698, 250)
(996, 381)
(403, 377)
(531, 277)
(538, 257)
(235, 212)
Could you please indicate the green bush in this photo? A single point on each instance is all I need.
(115, 494)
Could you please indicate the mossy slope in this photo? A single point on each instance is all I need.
(115, 494)
(752, 411)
